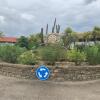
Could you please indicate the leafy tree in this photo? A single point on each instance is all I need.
(96, 33)
(69, 37)
(66, 37)
(74, 38)
(34, 41)
(87, 36)
(68, 30)
(23, 42)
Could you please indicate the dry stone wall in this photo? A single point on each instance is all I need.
(14, 70)
(74, 73)
(78, 73)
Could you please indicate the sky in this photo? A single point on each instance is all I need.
(25, 17)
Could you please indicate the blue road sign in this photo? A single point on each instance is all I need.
(42, 73)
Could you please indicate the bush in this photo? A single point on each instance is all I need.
(93, 55)
(76, 56)
(28, 57)
(23, 42)
(10, 53)
(52, 53)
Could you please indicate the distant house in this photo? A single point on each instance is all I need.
(8, 40)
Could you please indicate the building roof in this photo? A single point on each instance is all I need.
(8, 39)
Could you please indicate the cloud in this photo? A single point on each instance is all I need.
(89, 1)
(2, 20)
(28, 16)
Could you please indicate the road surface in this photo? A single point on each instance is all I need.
(21, 89)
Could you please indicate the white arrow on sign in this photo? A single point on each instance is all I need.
(39, 75)
(42, 69)
(45, 74)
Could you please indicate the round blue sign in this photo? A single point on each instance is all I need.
(42, 73)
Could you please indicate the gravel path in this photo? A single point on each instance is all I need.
(20, 89)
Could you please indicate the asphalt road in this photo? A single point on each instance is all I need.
(20, 89)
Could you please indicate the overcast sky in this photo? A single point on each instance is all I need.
(23, 17)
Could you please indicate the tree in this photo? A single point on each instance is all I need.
(96, 33)
(66, 37)
(23, 42)
(74, 37)
(34, 41)
(87, 36)
(68, 30)
(69, 37)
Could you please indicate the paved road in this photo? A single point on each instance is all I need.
(18, 89)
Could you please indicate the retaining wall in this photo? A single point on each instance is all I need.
(79, 73)
(16, 70)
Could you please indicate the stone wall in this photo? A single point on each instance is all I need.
(16, 70)
(80, 73)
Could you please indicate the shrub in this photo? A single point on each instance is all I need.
(28, 57)
(76, 56)
(98, 46)
(93, 55)
(52, 53)
(10, 53)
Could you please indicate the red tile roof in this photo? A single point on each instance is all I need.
(8, 39)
